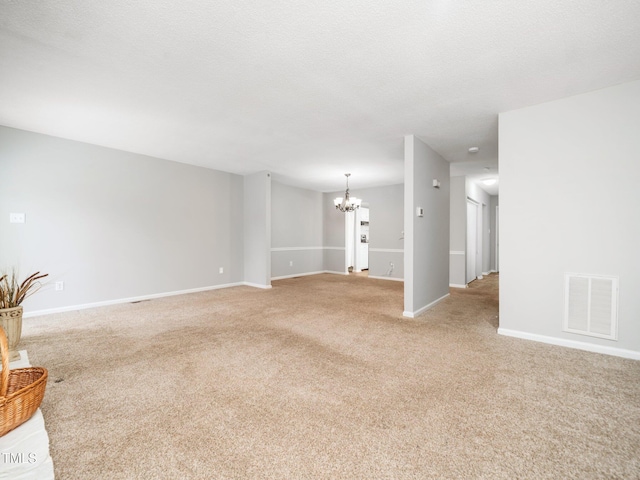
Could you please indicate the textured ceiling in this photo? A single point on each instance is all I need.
(308, 90)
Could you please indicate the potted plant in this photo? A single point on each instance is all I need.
(12, 294)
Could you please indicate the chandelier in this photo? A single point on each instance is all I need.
(347, 204)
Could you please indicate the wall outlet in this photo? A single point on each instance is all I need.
(59, 285)
(221, 270)
(291, 263)
(16, 218)
(390, 271)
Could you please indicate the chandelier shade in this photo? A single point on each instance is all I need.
(347, 203)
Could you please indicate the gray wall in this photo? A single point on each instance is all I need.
(386, 226)
(333, 234)
(426, 238)
(112, 224)
(582, 151)
(296, 231)
(385, 229)
(257, 229)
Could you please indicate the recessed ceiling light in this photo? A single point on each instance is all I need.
(489, 181)
(473, 150)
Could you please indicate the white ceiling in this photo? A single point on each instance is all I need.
(306, 89)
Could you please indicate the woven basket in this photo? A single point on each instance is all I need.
(21, 391)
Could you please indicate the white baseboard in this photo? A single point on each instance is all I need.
(424, 309)
(256, 285)
(294, 275)
(140, 298)
(455, 285)
(562, 342)
(387, 278)
(334, 273)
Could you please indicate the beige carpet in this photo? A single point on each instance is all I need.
(321, 377)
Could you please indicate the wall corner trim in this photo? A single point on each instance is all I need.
(294, 249)
(294, 275)
(256, 285)
(425, 308)
(381, 277)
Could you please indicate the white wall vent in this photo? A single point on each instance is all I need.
(591, 305)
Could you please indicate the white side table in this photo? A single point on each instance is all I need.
(24, 451)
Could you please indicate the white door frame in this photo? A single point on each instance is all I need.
(497, 236)
(473, 249)
(349, 241)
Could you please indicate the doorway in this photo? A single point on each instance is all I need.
(356, 228)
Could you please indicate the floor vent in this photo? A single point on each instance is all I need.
(591, 305)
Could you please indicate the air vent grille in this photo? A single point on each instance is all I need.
(591, 306)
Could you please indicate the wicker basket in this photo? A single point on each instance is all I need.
(21, 391)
